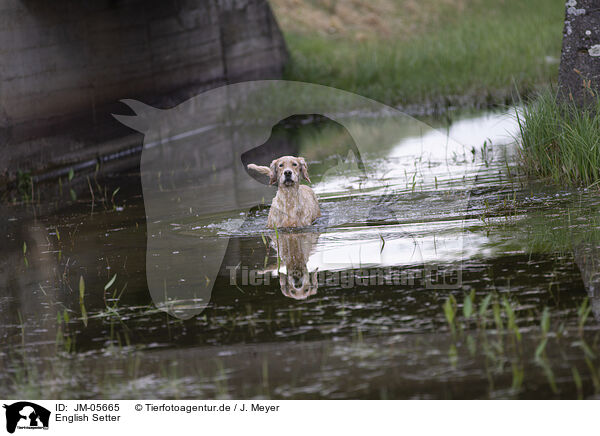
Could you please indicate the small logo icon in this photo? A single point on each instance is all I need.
(26, 415)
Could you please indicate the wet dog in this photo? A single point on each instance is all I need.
(295, 205)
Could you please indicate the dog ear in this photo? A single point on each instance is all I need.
(284, 286)
(263, 170)
(304, 169)
(273, 180)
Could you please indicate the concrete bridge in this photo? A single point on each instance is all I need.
(65, 64)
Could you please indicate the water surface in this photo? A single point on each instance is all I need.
(443, 274)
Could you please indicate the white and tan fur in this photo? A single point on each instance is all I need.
(294, 205)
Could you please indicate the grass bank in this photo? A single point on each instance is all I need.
(440, 53)
(560, 141)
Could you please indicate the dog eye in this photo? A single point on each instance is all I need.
(280, 165)
(295, 164)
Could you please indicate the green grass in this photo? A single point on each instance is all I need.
(476, 57)
(559, 141)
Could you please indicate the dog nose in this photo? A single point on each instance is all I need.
(287, 173)
(297, 278)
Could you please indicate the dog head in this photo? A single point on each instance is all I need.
(298, 284)
(287, 170)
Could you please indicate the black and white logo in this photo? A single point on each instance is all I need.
(26, 415)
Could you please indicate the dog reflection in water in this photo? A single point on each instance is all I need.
(294, 249)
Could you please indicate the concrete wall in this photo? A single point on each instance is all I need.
(579, 74)
(65, 64)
